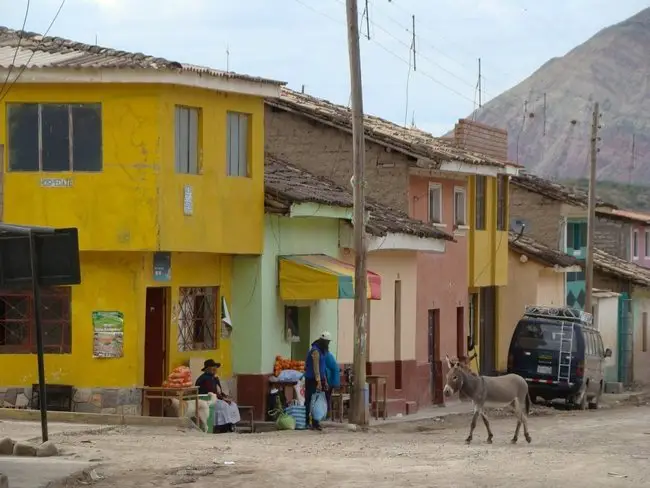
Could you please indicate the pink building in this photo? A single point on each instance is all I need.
(639, 238)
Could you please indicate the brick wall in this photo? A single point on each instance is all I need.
(481, 138)
(542, 215)
(327, 152)
(613, 237)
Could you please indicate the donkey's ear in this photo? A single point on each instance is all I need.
(449, 363)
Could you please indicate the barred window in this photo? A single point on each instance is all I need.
(18, 327)
(197, 318)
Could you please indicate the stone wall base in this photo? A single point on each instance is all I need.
(122, 401)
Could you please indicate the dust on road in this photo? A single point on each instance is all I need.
(605, 448)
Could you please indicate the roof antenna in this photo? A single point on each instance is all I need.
(227, 58)
(303, 89)
(96, 39)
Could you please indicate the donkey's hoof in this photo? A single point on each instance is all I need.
(514, 440)
(528, 439)
(468, 441)
(489, 440)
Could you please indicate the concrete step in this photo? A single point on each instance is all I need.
(411, 408)
(613, 387)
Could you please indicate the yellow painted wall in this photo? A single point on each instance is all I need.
(136, 202)
(118, 281)
(488, 249)
(529, 283)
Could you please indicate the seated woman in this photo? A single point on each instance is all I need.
(226, 412)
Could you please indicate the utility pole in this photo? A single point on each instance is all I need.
(358, 413)
(591, 218)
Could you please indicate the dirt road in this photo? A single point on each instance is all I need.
(607, 448)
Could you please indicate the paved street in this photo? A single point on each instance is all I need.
(603, 448)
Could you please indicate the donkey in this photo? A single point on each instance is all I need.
(499, 391)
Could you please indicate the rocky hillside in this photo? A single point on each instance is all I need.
(613, 68)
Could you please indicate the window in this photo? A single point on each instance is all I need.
(644, 332)
(635, 244)
(54, 137)
(459, 206)
(187, 139)
(545, 336)
(502, 202)
(576, 236)
(481, 183)
(646, 244)
(238, 144)
(197, 318)
(435, 203)
(17, 326)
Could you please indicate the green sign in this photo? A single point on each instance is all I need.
(108, 340)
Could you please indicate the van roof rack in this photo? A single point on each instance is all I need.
(562, 313)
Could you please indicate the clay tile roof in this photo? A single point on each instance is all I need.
(411, 141)
(555, 191)
(627, 215)
(539, 252)
(620, 268)
(286, 184)
(56, 52)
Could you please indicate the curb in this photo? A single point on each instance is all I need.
(72, 479)
(94, 418)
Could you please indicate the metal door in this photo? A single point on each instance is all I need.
(625, 339)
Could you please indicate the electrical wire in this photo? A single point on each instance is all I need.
(20, 39)
(3, 95)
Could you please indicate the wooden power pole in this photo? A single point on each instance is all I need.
(358, 413)
(591, 217)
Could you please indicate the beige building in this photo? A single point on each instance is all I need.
(535, 277)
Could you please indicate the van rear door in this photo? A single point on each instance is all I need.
(535, 348)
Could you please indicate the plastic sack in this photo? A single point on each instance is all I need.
(285, 422)
(299, 413)
(290, 375)
(318, 407)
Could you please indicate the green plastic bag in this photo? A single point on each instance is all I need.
(284, 421)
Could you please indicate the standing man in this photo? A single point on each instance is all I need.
(316, 373)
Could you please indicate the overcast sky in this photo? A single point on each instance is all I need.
(303, 42)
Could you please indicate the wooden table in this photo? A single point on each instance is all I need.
(160, 393)
(283, 386)
(374, 382)
(339, 396)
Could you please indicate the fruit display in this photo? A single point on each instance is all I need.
(282, 364)
(180, 377)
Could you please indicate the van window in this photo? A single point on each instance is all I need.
(589, 342)
(541, 335)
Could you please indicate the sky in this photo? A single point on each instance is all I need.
(303, 42)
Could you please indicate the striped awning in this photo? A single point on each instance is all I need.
(321, 277)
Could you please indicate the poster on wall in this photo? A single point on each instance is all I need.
(108, 334)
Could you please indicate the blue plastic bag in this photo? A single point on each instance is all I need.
(318, 408)
(299, 413)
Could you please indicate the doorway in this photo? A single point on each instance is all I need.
(298, 320)
(487, 330)
(434, 360)
(155, 336)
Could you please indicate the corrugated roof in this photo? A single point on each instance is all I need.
(539, 252)
(411, 141)
(286, 184)
(555, 191)
(56, 52)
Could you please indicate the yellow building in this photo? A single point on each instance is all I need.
(488, 238)
(160, 166)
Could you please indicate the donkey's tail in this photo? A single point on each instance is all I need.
(527, 403)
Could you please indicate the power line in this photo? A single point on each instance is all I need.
(3, 95)
(20, 39)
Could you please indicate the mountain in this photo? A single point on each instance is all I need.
(612, 68)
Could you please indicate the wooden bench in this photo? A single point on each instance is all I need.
(340, 396)
(247, 415)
